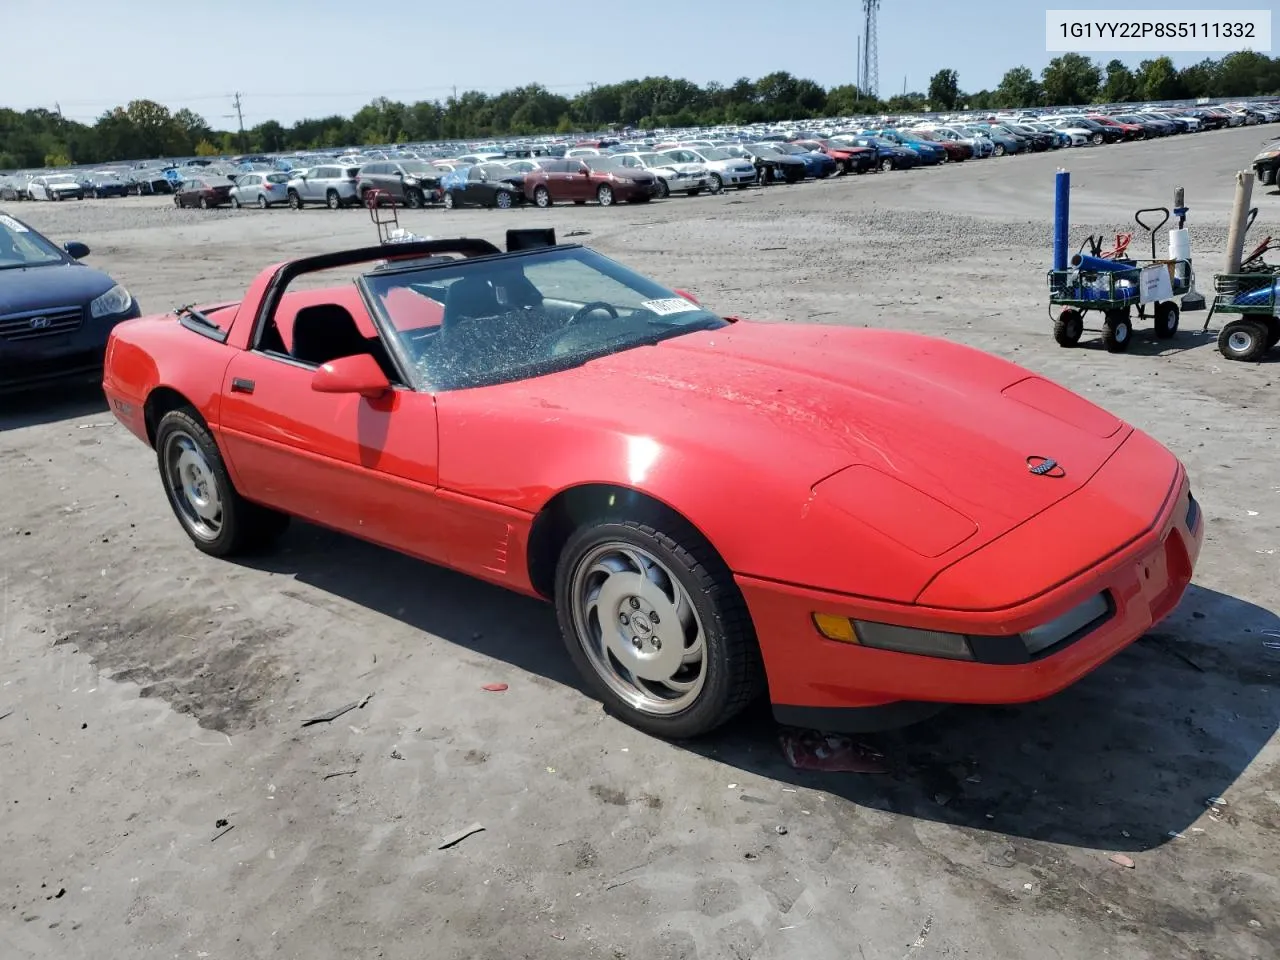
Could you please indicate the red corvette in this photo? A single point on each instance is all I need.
(865, 524)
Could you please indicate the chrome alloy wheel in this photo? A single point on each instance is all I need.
(193, 486)
(639, 629)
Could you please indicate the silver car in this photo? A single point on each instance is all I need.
(263, 189)
(333, 185)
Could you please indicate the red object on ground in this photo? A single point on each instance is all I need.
(494, 687)
(828, 753)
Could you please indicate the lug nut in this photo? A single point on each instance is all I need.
(635, 604)
(635, 642)
(653, 618)
(623, 619)
(657, 644)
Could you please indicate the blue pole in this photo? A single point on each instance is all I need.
(1061, 218)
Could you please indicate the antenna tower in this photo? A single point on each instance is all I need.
(869, 80)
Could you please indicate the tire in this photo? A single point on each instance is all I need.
(211, 511)
(662, 189)
(1097, 139)
(177, 201)
(1244, 339)
(1166, 319)
(448, 199)
(1267, 177)
(998, 150)
(1273, 331)
(295, 201)
(716, 183)
(1118, 332)
(263, 202)
(677, 562)
(235, 203)
(1068, 328)
(605, 195)
(542, 198)
(887, 164)
(204, 203)
(504, 200)
(332, 200)
(413, 199)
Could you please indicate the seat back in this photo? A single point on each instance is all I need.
(324, 332)
(468, 298)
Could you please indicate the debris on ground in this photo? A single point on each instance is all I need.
(780, 830)
(340, 773)
(396, 754)
(3, 715)
(461, 835)
(829, 753)
(495, 687)
(222, 833)
(1124, 861)
(220, 823)
(335, 714)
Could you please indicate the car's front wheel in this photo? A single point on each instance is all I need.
(654, 621)
(217, 519)
(542, 197)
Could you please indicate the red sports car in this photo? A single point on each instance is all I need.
(865, 524)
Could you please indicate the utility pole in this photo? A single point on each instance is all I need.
(240, 117)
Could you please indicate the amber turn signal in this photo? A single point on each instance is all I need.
(835, 628)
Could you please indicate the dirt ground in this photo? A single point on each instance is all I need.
(148, 692)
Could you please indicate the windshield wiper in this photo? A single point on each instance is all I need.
(190, 311)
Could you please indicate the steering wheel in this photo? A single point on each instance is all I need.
(588, 308)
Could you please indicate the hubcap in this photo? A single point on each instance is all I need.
(504, 199)
(1122, 332)
(1239, 342)
(194, 486)
(639, 629)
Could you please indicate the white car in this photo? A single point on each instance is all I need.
(1073, 127)
(723, 168)
(55, 186)
(673, 176)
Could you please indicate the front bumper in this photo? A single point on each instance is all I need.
(837, 686)
(67, 355)
(687, 184)
(735, 177)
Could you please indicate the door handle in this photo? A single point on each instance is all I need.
(241, 385)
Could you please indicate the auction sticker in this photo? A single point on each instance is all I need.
(669, 306)
(17, 227)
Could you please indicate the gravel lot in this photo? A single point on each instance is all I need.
(155, 692)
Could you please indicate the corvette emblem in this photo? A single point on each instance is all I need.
(1045, 467)
(40, 323)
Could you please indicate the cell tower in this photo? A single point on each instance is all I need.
(869, 81)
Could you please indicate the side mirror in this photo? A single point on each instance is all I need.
(688, 296)
(356, 374)
(76, 250)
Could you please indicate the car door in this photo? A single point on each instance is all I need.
(366, 467)
(476, 189)
(578, 185)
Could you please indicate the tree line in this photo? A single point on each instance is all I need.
(145, 129)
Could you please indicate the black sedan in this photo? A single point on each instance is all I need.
(483, 185)
(55, 313)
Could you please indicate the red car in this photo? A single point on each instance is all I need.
(204, 191)
(1130, 131)
(849, 158)
(865, 524)
(600, 178)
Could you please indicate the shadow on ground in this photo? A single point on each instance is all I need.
(50, 404)
(1137, 747)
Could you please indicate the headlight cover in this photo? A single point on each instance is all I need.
(1009, 649)
(115, 301)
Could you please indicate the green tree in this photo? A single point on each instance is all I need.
(1018, 88)
(206, 149)
(1121, 86)
(1070, 80)
(1159, 80)
(944, 90)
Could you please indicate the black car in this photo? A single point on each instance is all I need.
(106, 184)
(1266, 165)
(414, 183)
(483, 185)
(1037, 140)
(771, 165)
(55, 313)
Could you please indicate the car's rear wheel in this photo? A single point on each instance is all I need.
(333, 200)
(605, 195)
(448, 200)
(295, 200)
(217, 519)
(542, 197)
(263, 202)
(652, 618)
(662, 189)
(204, 203)
(998, 150)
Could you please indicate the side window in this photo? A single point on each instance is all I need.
(629, 161)
(475, 174)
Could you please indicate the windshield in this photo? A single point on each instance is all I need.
(654, 159)
(470, 323)
(600, 162)
(61, 178)
(790, 148)
(715, 153)
(277, 178)
(417, 166)
(20, 246)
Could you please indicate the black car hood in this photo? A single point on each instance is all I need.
(54, 285)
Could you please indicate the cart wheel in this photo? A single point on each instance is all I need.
(1273, 331)
(1068, 328)
(1166, 319)
(1243, 340)
(1118, 331)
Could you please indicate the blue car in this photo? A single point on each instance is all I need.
(816, 164)
(55, 313)
(889, 155)
(930, 153)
